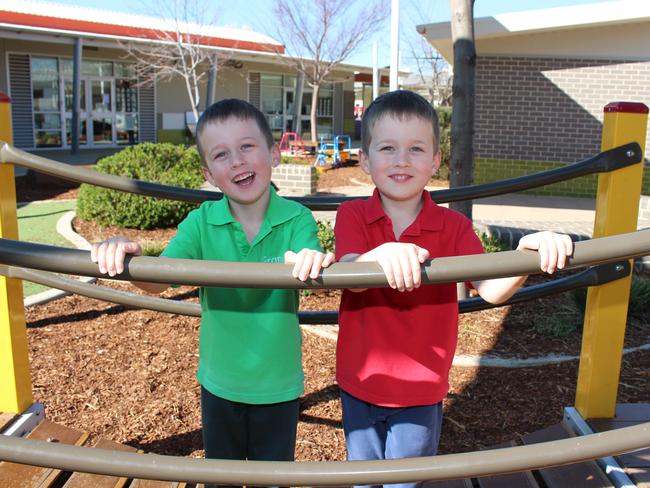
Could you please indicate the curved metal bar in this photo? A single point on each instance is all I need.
(596, 275)
(339, 275)
(68, 172)
(610, 160)
(450, 466)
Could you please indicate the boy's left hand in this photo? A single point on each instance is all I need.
(553, 249)
(308, 263)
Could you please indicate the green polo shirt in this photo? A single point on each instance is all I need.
(249, 342)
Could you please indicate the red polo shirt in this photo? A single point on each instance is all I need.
(395, 348)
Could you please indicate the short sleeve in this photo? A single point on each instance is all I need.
(305, 232)
(467, 242)
(349, 231)
(186, 244)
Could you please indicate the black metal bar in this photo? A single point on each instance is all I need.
(610, 160)
(593, 276)
(339, 275)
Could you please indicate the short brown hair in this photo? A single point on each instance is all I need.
(232, 107)
(399, 104)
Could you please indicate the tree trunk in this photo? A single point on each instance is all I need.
(461, 166)
(314, 111)
(296, 126)
(462, 120)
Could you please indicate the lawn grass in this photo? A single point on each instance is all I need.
(37, 223)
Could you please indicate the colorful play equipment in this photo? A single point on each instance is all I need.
(334, 152)
(615, 237)
(291, 144)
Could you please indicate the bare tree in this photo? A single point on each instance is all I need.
(431, 69)
(179, 48)
(462, 120)
(321, 35)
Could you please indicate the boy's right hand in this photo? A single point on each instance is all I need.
(401, 263)
(109, 254)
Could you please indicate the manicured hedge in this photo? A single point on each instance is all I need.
(168, 164)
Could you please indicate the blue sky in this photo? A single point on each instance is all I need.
(258, 14)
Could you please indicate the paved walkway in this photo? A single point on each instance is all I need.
(512, 216)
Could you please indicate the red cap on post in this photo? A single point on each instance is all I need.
(4, 98)
(627, 107)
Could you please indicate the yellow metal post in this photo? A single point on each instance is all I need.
(617, 207)
(15, 382)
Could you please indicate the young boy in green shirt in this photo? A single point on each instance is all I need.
(250, 367)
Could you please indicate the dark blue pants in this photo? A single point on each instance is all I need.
(375, 432)
(233, 430)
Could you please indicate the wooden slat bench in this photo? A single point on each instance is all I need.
(636, 464)
(21, 475)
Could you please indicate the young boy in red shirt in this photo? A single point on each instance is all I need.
(396, 345)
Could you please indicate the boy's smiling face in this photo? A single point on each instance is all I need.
(402, 156)
(238, 159)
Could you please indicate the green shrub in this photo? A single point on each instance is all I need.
(492, 243)
(152, 248)
(639, 296)
(558, 325)
(295, 160)
(326, 235)
(444, 117)
(167, 164)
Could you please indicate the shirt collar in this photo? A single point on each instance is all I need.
(279, 210)
(429, 218)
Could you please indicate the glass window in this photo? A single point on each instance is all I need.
(270, 80)
(126, 96)
(67, 87)
(127, 128)
(101, 95)
(97, 68)
(83, 137)
(47, 121)
(48, 138)
(125, 70)
(45, 84)
(102, 130)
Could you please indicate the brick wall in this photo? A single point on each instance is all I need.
(549, 110)
(297, 178)
(487, 170)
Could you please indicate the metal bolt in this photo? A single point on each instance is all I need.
(619, 267)
(629, 153)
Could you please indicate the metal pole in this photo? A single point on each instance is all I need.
(376, 76)
(212, 81)
(617, 207)
(76, 94)
(15, 382)
(394, 44)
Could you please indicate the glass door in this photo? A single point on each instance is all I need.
(101, 92)
(289, 107)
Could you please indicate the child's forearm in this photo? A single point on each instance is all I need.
(499, 290)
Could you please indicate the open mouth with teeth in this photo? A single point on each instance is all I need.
(400, 178)
(244, 179)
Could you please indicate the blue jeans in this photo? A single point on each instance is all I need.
(374, 432)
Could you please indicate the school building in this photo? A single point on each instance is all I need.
(543, 78)
(37, 53)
